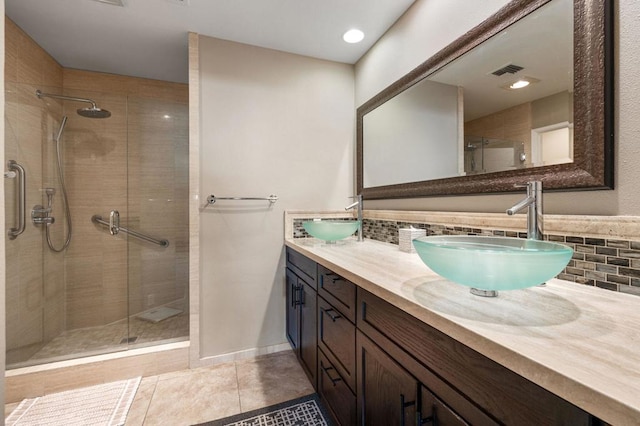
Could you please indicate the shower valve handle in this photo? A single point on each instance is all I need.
(114, 222)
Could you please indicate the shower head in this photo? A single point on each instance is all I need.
(93, 112)
(89, 112)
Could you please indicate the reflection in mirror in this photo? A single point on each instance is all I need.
(497, 106)
(417, 134)
(413, 136)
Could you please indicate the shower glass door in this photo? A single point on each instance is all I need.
(107, 291)
(158, 181)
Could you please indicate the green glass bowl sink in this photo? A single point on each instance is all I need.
(331, 230)
(493, 263)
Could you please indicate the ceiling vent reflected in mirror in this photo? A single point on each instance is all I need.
(112, 2)
(511, 69)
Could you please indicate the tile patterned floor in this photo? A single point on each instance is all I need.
(195, 396)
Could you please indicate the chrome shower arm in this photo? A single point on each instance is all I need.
(41, 95)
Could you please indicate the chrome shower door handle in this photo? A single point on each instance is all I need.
(21, 196)
(114, 222)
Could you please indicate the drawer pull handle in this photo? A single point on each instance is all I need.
(326, 371)
(331, 313)
(403, 406)
(294, 295)
(432, 419)
(297, 291)
(334, 277)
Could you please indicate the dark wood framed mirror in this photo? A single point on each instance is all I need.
(591, 90)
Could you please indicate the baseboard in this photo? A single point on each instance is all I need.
(240, 355)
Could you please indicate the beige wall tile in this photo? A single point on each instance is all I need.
(174, 360)
(87, 80)
(82, 375)
(11, 41)
(24, 386)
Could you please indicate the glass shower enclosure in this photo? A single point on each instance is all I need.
(122, 281)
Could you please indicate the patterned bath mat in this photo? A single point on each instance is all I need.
(106, 404)
(305, 411)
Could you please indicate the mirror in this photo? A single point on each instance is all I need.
(454, 126)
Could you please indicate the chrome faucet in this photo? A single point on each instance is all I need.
(533, 202)
(41, 215)
(358, 204)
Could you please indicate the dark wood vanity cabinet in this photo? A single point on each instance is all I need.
(337, 345)
(464, 383)
(302, 311)
(374, 364)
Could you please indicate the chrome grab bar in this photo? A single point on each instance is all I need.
(96, 218)
(16, 170)
(211, 199)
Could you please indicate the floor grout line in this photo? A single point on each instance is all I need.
(235, 366)
(155, 385)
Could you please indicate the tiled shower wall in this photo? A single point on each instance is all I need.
(612, 264)
(34, 315)
(135, 162)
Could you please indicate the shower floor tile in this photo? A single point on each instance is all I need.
(113, 337)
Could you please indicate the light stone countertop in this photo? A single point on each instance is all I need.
(582, 343)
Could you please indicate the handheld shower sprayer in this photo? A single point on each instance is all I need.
(62, 124)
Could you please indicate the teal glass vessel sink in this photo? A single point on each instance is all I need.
(493, 263)
(331, 230)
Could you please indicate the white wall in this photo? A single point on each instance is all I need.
(271, 123)
(413, 137)
(429, 25)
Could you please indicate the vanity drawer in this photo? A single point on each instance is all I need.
(340, 400)
(336, 337)
(340, 292)
(304, 267)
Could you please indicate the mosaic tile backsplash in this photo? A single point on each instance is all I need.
(612, 264)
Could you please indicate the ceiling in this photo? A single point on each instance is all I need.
(148, 38)
(541, 43)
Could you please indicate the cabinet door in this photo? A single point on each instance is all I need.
(308, 330)
(436, 413)
(293, 312)
(387, 394)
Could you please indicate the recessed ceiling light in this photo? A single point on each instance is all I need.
(519, 84)
(353, 36)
